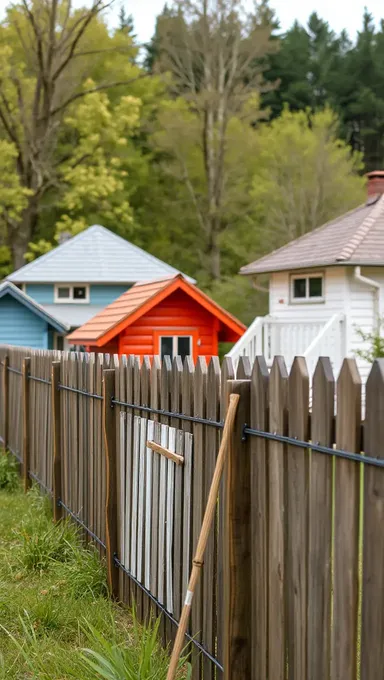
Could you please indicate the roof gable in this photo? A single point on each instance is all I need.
(356, 238)
(7, 288)
(96, 255)
(136, 302)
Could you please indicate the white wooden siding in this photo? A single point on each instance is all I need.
(280, 305)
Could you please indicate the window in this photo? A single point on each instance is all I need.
(71, 293)
(175, 345)
(307, 288)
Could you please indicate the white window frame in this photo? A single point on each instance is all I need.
(70, 300)
(307, 299)
(174, 343)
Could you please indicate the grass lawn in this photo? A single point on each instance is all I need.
(53, 603)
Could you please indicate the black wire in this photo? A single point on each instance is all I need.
(167, 614)
(40, 380)
(77, 391)
(338, 453)
(40, 483)
(170, 414)
(15, 370)
(81, 523)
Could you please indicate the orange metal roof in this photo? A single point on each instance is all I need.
(138, 300)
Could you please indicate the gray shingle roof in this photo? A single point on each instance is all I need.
(96, 255)
(356, 238)
(73, 315)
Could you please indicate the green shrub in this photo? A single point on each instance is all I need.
(84, 575)
(43, 544)
(140, 658)
(9, 476)
(375, 339)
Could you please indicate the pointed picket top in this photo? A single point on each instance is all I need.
(323, 403)
(374, 421)
(278, 395)
(227, 373)
(259, 393)
(348, 418)
(244, 368)
(213, 389)
(298, 399)
(187, 391)
(166, 381)
(136, 381)
(155, 383)
(177, 376)
(201, 372)
(145, 380)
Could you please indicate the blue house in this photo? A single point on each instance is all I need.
(61, 290)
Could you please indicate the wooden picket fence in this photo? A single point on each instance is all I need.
(293, 579)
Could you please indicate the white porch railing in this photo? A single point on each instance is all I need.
(272, 336)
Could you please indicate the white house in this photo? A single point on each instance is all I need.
(323, 286)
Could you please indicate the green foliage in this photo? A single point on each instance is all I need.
(141, 658)
(9, 476)
(43, 545)
(374, 342)
(305, 175)
(49, 616)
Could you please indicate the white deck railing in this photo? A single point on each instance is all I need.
(271, 336)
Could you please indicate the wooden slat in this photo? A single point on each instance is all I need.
(148, 566)
(155, 403)
(297, 521)
(141, 501)
(170, 521)
(162, 520)
(372, 634)
(26, 425)
(109, 431)
(259, 517)
(145, 379)
(176, 406)
(237, 555)
(165, 403)
(200, 397)
(135, 494)
(278, 386)
(320, 524)
(345, 588)
(130, 592)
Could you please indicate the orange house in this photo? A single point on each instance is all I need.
(166, 317)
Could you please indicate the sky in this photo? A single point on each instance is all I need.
(339, 13)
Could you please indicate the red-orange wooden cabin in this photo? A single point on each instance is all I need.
(166, 317)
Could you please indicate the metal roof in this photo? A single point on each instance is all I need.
(137, 301)
(96, 255)
(73, 315)
(356, 238)
(7, 288)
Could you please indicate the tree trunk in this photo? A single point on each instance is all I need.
(214, 251)
(20, 237)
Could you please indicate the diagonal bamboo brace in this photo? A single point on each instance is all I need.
(157, 448)
(204, 534)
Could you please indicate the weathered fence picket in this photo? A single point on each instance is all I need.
(292, 586)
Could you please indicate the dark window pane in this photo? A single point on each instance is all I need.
(299, 286)
(166, 346)
(184, 346)
(63, 293)
(60, 342)
(79, 293)
(316, 287)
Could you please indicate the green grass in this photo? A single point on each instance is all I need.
(56, 621)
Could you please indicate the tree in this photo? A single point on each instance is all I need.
(304, 177)
(47, 54)
(216, 61)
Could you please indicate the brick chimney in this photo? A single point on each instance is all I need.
(375, 184)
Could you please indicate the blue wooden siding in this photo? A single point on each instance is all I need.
(20, 326)
(100, 294)
(41, 292)
(104, 294)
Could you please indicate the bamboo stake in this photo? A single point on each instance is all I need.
(157, 448)
(204, 534)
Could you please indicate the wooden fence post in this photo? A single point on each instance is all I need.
(109, 429)
(26, 429)
(6, 400)
(237, 545)
(56, 420)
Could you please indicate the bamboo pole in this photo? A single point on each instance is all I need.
(204, 534)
